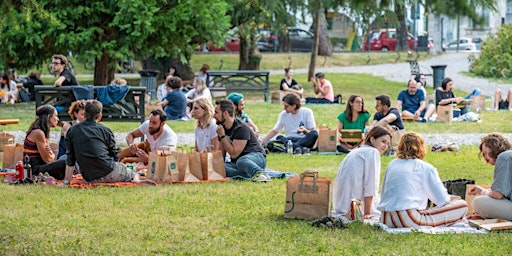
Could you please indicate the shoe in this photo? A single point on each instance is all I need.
(423, 120)
(341, 149)
(297, 151)
(305, 151)
(261, 177)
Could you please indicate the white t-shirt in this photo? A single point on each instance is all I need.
(194, 94)
(291, 122)
(409, 183)
(358, 177)
(205, 136)
(161, 92)
(167, 138)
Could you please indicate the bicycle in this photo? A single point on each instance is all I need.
(69, 66)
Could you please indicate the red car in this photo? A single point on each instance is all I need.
(385, 40)
(232, 45)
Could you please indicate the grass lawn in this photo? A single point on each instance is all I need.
(226, 218)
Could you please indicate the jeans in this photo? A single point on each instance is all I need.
(247, 165)
(307, 141)
(475, 92)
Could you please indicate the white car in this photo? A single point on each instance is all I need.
(465, 44)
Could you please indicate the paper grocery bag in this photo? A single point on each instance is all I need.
(327, 139)
(163, 169)
(184, 167)
(12, 154)
(308, 196)
(444, 114)
(195, 165)
(5, 138)
(212, 165)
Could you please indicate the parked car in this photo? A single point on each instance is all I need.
(230, 45)
(300, 41)
(385, 40)
(465, 44)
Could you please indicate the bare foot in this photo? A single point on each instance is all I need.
(474, 217)
(145, 182)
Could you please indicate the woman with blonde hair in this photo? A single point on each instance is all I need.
(200, 91)
(408, 184)
(206, 128)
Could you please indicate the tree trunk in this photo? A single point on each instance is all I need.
(324, 45)
(104, 70)
(402, 43)
(312, 62)
(249, 58)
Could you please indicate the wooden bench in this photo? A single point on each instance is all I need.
(223, 82)
(61, 98)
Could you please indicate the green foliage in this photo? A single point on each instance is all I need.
(495, 58)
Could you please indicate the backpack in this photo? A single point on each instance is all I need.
(24, 95)
(276, 146)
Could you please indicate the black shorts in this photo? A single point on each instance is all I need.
(503, 104)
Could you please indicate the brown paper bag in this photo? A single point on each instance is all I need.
(469, 198)
(327, 139)
(308, 196)
(212, 165)
(12, 154)
(5, 138)
(477, 103)
(163, 169)
(195, 165)
(184, 167)
(444, 114)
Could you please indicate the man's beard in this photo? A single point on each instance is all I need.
(221, 122)
(153, 131)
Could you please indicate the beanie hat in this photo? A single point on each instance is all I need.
(235, 97)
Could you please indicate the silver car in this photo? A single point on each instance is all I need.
(465, 44)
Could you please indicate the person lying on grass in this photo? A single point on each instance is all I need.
(93, 146)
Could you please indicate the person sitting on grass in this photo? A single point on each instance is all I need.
(409, 183)
(355, 116)
(93, 147)
(289, 85)
(37, 144)
(157, 134)
(240, 114)
(175, 102)
(495, 203)
(386, 115)
(200, 91)
(500, 103)
(413, 104)
(323, 87)
(299, 124)
(206, 128)
(248, 159)
(359, 174)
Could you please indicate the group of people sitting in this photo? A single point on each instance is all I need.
(409, 182)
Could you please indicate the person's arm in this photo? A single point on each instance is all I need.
(59, 81)
(399, 105)
(164, 102)
(368, 207)
(135, 133)
(215, 143)
(477, 190)
(388, 119)
(417, 114)
(271, 134)
(43, 146)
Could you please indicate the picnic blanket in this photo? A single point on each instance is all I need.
(457, 228)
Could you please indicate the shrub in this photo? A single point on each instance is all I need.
(496, 55)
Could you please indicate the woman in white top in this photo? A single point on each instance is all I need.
(200, 91)
(408, 184)
(205, 132)
(9, 89)
(359, 175)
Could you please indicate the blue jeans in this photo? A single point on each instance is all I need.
(475, 92)
(247, 165)
(307, 141)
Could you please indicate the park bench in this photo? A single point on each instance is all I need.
(223, 82)
(417, 69)
(127, 109)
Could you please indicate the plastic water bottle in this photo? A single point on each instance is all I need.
(289, 147)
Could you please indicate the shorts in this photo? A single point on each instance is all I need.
(119, 174)
(503, 104)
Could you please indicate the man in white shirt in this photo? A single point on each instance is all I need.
(299, 124)
(157, 134)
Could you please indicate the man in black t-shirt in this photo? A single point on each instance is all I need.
(386, 115)
(64, 76)
(248, 159)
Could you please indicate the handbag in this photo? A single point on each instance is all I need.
(163, 168)
(12, 154)
(308, 196)
(327, 139)
(212, 165)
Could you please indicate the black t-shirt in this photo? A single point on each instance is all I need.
(289, 85)
(70, 78)
(392, 111)
(240, 131)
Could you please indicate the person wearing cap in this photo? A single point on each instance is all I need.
(323, 87)
(240, 114)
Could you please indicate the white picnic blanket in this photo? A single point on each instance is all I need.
(457, 228)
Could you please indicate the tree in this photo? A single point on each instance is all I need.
(114, 30)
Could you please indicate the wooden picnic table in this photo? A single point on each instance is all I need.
(9, 121)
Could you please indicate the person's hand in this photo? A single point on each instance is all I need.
(476, 190)
(220, 131)
(301, 130)
(417, 114)
(143, 156)
(134, 148)
(454, 197)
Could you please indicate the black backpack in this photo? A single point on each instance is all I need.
(276, 146)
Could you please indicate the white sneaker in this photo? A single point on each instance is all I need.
(261, 177)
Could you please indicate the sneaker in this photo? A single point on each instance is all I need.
(305, 152)
(297, 151)
(261, 177)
